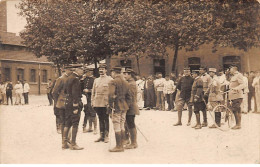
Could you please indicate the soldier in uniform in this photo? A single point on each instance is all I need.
(119, 98)
(73, 106)
(196, 97)
(215, 95)
(133, 108)
(206, 82)
(99, 101)
(235, 95)
(90, 113)
(184, 86)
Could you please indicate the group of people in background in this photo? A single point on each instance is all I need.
(21, 91)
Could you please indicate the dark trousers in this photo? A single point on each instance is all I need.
(235, 106)
(130, 120)
(9, 95)
(57, 115)
(103, 119)
(26, 98)
(49, 98)
(217, 118)
(200, 106)
(150, 98)
(90, 113)
(251, 95)
(169, 98)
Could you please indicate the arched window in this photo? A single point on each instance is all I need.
(194, 63)
(231, 60)
(20, 74)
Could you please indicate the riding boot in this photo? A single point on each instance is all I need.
(65, 144)
(198, 126)
(179, 119)
(133, 135)
(73, 145)
(101, 138)
(90, 125)
(205, 122)
(189, 119)
(236, 118)
(106, 138)
(124, 139)
(119, 146)
(238, 121)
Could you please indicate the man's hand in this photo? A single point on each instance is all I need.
(109, 110)
(75, 111)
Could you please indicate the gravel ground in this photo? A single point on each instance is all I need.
(28, 136)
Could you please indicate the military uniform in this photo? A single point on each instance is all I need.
(184, 86)
(73, 107)
(235, 96)
(99, 101)
(118, 98)
(196, 99)
(149, 93)
(90, 113)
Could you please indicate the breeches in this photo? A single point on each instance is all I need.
(130, 120)
(199, 106)
(72, 119)
(119, 120)
(235, 105)
(181, 102)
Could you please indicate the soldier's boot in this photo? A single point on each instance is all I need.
(95, 125)
(90, 125)
(205, 122)
(73, 145)
(133, 134)
(101, 138)
(65, 144)
(198, 126)
(179, 119)
(124, 138)
(119, 146)
(189, 118)
(238, 121)
(106, 138)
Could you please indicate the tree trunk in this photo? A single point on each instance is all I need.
(108, 64)
(138, 65)
(175, 57)
(58, 66)
(96, 69)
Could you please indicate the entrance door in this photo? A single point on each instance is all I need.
(194, 63)
(159, 66)
(231, 60)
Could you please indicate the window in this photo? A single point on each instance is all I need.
(20, 74)
(33, 75)
(126, 63)
(7, 74)
(159, 66)
(194, 63)
(231, 60)
(44, 76)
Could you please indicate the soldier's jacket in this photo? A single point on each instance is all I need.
(236, 81)
(73, 91)
(214, 91)
(99, 96)
(132, 103)
(58, 94)
(206, 81)
(119, 96)
(88, 84)
(197, 90)
(185, 86)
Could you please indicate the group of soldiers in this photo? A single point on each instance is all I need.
(204, 90)
(113, 96)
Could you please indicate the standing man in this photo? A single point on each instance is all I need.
(196, 97)
(99, 101)
(159, 85)
(118, 98)
(168, 90)
(18, 93)
(244, 105)
(184, 86)
(206, 82)
(235, 95)
(251, 93)
(26, 89)
(256, 85)
(59, 97)
(73, 106)
(215, 95)
(140, 89)
(90, 113)
(133, 108)
(9, 93)
(150, 94)
(49, 85)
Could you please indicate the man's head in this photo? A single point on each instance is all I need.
(203, 70)
(186, 71)
(138, 77)
(195, 73)
(173, 74)
(167, 77)
(102, 69)
(129, 73)
(220, 72)
(159, 75)
(79, 71)
(212, 71)
(115, 71)
(88, 72)
(252, 74)
(18, 82)
(233, 69)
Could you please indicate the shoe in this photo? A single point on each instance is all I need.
(131, 146)
(204, 124)
(59, 131)
(198, 126)
(119, 146)
(188, 124)
(178, 124)
(100, 139)
(213, 126)
(76, 147)
(84, 130)
(236, 127)
(90, 130)
(106, 138)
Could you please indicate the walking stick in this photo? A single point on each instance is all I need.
(141, 133)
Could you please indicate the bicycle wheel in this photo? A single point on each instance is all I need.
(227, 119)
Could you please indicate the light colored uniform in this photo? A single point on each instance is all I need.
(140, 89)
(256, 85)
(18, 93)
(206, 81)
(214, 92)
(244, 105)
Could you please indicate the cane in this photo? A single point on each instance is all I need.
(141, 133)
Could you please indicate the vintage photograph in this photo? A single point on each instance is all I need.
(129, 81)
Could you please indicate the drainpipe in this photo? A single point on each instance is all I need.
(39, 80)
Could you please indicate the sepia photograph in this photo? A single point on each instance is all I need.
(129, 82)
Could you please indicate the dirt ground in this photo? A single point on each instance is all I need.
(28, 135)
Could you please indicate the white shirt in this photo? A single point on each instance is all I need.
(169, 87)
(18, 88)
(256, 84)
(26, 88)
(140, 85)
(159, 84)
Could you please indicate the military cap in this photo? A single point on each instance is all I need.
(212, 70)
(233, 65)
(195, 71)
(129, 70)
(186, 69)
(116, 68)
(167, 75)
(88, 69)
(103, 65)
(203, 68)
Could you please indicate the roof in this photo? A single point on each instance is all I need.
(21, 55)
(10, 38)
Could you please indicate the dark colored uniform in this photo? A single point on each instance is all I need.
(9, 93)
(149, 94)
(90, 113)
(184, 85)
